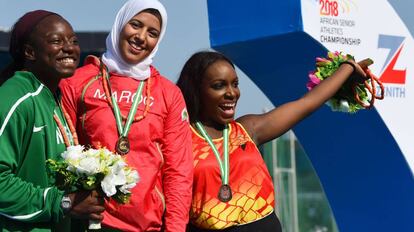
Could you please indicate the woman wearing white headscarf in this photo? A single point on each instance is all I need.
(150, 130)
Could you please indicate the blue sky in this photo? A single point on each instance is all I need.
(187, 32)
(96, 15)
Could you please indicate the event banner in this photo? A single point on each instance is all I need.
(365, 160)
(372, 28)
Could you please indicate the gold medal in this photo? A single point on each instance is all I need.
(122, 145)
(224, 193)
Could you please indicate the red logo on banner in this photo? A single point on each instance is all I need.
(328, 8)
(391, 75)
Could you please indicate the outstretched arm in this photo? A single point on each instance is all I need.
(265, 127)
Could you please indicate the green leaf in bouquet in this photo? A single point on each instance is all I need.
(323, 63)
(121, 198)
(89, 183)
(66, 181)
(349, 57)
(92, 182)
(326, 72)
(353, 108)
(61, 177)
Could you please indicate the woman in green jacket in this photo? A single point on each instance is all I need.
(44, 49)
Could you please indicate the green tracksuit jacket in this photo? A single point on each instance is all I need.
(28, 136)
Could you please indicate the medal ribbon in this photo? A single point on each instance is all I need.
(123, 130)
(224, 164)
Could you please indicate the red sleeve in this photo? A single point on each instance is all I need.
(71, 89)
(178, 167)
(69, 98)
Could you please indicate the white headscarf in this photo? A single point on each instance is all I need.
(112, 57)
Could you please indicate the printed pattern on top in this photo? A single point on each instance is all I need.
(252, 187)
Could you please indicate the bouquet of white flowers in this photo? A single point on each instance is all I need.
(94, 169)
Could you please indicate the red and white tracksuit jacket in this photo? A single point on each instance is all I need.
(161, 148)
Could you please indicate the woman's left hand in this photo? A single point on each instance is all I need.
(359, 74)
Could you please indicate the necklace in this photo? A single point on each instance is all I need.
(224, 193)
(122, 146)
(72, 138)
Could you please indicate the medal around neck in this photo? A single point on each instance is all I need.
(224, 194)
(122, 146)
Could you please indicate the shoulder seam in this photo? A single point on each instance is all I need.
(16, 104)
(244, 130)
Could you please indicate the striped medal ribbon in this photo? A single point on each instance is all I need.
(224, 193)
(122, 146)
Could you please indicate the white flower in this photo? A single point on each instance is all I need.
(126, 188)
(132, 179)
(88, 166)
(73, 152)
(118, 166)
(343, 106)
(118, 177)
(107, 153)
(115, 177)
(92, 153)
(132, 176)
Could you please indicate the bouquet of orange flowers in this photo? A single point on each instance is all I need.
(353, 95)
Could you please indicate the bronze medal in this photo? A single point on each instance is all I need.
(225, 194)
(122, 145)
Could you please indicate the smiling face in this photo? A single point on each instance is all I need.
(53, 49)
(219, 93)
(139, 37)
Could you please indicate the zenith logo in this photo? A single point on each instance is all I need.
(395, 44)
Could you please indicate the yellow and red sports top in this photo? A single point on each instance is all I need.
(249, 179)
